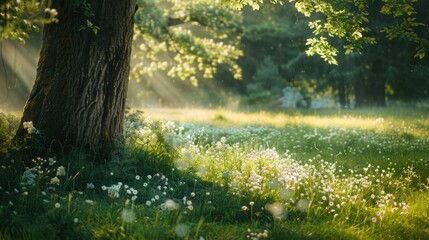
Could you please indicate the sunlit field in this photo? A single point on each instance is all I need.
(218, 174)
(409, 121)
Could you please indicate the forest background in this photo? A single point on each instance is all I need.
(268, 46)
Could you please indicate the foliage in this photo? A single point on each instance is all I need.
(267, 83)
(8, 124)
(17, 18)
(187, 39)
(168, 29)
(349, 20)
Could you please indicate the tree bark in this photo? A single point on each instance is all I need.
(78, 99)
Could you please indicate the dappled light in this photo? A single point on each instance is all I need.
(17, 72)
(212, 119)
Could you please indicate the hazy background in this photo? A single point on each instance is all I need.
(277, 74)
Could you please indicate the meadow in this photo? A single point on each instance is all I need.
(218, 174)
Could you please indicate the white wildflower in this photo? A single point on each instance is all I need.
(61, 171)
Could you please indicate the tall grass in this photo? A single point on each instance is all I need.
(226, 175)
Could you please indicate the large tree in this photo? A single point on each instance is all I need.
(79, 95)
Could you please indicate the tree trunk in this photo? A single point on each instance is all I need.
(370, 89)
(78, 98)
(370, 92)
(342, 92)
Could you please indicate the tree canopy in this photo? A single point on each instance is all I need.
(169, 24)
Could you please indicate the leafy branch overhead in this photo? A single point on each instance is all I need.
(350, 20)
(186, 39)
(192, 38)
(19, 17)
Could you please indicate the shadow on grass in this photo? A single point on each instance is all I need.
(216, 213)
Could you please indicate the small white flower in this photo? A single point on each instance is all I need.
(137, 177)
(51, 161)
(29, 127)
(57, 205)
(61, 171)
(76, 220)
(55, 180)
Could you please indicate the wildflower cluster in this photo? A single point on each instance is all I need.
(256, 235)
(158, 187)
(115, 190)
(41, 182)
(315, 186)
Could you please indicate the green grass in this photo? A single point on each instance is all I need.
(8, 125)
(298, 175)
